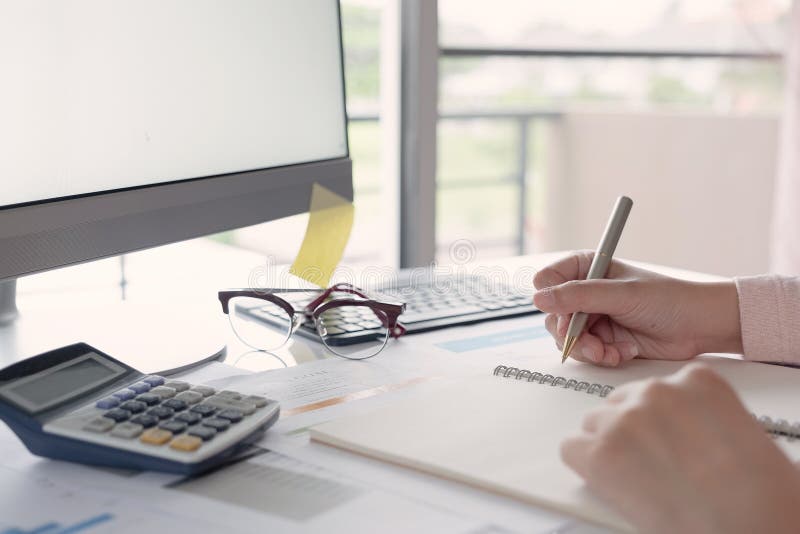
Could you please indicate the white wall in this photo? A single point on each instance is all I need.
(701, 184)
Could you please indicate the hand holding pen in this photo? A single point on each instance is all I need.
(634, 312)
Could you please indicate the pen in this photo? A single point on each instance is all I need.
(599, 267)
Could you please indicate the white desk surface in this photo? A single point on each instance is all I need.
(192, 275)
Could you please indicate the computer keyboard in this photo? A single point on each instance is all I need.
(430, 304)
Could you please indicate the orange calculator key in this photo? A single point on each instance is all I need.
(156, 436)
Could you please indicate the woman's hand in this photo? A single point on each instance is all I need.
(634, 312)
(682, 454)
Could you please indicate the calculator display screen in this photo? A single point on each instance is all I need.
(62, 382)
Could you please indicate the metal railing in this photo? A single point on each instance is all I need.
(523, 122)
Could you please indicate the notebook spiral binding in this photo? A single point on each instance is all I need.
(601, 390)
(776, 428)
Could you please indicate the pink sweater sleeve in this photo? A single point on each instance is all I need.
(769, 310)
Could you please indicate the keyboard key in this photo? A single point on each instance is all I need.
(99, 425)
(154, 380)
(118, 415)
(177, 385)
(190, 418)
(144, 420)
(176, 427)
(107, 403)
(156, 436)
(127, 430)
(175, 404)
(186, 443)
(149, 399)
(205, 391)
(260, 402)
(234, 416)
(124, 394)
(140, 387)
(164, 392)
(133, 406)
(204, 409)
(203, 432)
(189, 397)
(161, 412)
(217, 424)
(224, 404)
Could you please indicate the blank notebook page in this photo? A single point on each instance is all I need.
(503, 435)
(497, 434)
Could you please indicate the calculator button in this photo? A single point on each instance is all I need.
(145, 420)
(176, 427)
(203, 432)
(149, 399)
(161, 412)
(189, 397)
(177, 385)
(217, 424)
(156, 436)
(223, 404)
(127, 430)
(118, 415)
(230, 395)
(133, 406)
(164, 392)
(107, 403)
(205, 391)
(124, 394)
(176, 404)
(190, 418)
(234, 416)
(186, 443)
(154, 380)
(203, 409)
(99, 424)
(140, 387)
(260, 402)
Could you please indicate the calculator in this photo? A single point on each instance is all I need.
(81, 405)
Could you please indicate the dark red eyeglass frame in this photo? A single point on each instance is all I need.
(390, 312)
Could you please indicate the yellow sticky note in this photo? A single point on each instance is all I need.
(329, 223)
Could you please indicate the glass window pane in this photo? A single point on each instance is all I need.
(475, 150)
(720, 85)
(753, 25)
(486, 216)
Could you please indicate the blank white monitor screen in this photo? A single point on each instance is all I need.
(99, 95)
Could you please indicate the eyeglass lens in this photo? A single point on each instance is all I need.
(353, 331)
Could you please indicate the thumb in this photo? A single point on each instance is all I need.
(607, 297)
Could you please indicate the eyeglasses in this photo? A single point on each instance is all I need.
(348, 322)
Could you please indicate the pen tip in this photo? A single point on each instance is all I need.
(568, 344)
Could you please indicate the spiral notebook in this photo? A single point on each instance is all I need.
(501, 432)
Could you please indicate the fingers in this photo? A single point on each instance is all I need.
(607, 297)
(575, 453)
(573, 267)
(591, 347)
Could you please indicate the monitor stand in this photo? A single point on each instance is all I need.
(150, 338)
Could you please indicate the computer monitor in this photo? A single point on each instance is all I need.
(128, 124)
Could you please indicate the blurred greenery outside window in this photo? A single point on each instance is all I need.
(485, 165)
